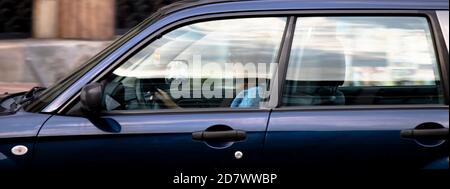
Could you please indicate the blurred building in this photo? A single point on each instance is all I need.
(73, 19)
(42, 40)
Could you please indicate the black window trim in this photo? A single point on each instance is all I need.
(440, 50)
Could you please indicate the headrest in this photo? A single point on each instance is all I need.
(323, 66)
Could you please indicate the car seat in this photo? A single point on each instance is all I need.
(320, 73)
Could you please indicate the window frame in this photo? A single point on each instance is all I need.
(276, 55)
(73, 101)
(439, 50)
(442, 15)
(283, 58)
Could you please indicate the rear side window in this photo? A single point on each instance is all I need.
(362, 61)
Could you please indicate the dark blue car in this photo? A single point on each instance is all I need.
(356, 84)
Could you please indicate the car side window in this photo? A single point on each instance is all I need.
(362, 61)
(211, 64)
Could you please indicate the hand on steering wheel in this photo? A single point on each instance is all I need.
(166, 99)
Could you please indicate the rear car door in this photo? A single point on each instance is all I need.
(363, 91)
(180, 101)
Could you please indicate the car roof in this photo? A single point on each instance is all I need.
(312, 4)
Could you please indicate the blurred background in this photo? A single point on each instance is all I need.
(43, 40)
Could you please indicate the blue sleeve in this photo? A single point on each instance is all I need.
(247, 99)
(238, 100)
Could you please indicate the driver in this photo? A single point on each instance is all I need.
(166, 99)
(249, 97)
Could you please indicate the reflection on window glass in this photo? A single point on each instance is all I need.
(443, 19)
(362, 60)
(223, 63)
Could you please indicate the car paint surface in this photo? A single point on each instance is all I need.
(21, 128)
(162, 140)
(353, 139)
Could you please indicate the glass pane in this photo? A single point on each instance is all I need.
(223, 63)
(362, 61)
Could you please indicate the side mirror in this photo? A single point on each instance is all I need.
(91, 103)
(91, 98)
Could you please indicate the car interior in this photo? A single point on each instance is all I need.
(333, 92)
(321, 69)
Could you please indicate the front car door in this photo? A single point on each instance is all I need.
(363, 91)
(193, 98)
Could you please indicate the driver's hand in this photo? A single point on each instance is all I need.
(166, 99)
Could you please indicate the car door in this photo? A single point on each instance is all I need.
(362, 92)
(174, 103)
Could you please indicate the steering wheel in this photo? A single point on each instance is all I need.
(145, 93)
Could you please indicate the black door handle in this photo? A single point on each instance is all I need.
(222, 136)
(439, 134)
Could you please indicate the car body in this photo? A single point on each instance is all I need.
(375, 124)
